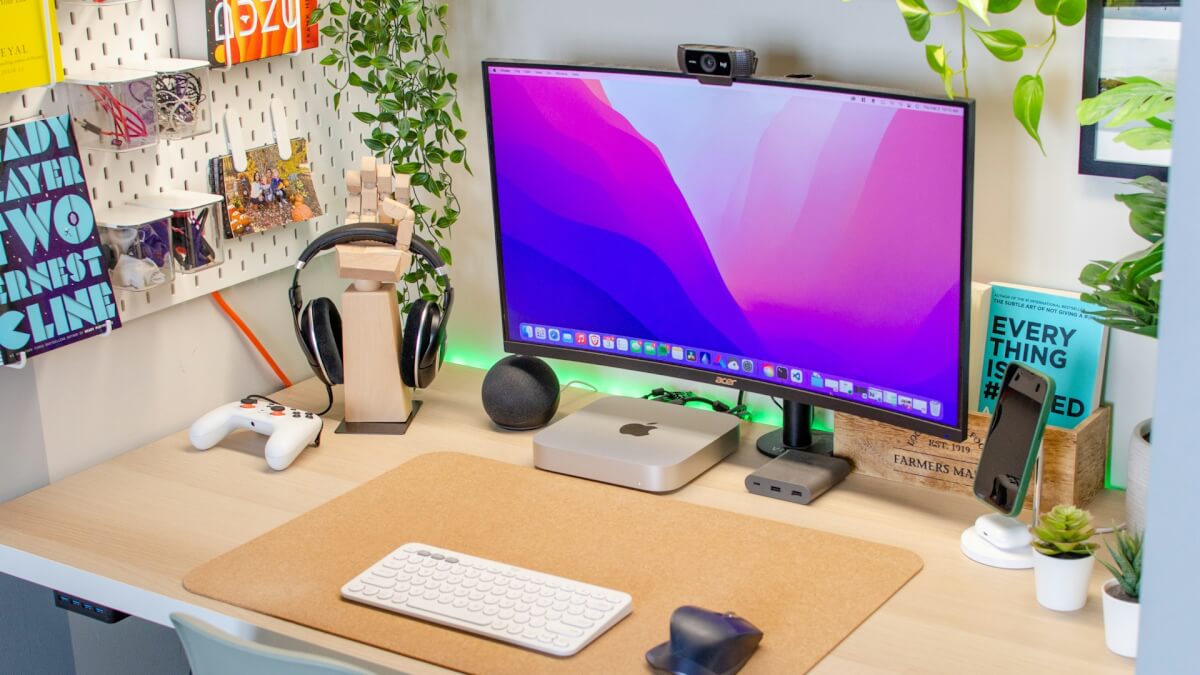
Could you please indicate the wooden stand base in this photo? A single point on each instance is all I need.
(379, 428)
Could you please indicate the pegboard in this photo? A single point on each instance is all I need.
(94, 37)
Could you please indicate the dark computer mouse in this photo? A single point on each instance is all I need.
(704, 642)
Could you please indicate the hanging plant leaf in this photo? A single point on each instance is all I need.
(935, 56)
(1004, 44)
(916, 17)
(979, 7)
(1028, 97)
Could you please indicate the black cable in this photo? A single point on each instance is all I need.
(328, 390)
(685, 397)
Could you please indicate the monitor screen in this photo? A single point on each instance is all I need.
(802, 240)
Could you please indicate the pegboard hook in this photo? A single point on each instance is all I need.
(279, 123)
(19, 364)
(237, 142)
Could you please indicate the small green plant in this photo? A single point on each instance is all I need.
(1128, 289)
(1127, 562)
(1065, 532)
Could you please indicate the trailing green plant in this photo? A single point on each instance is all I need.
(1004, 44)
(391, 51)
(1126, 567)
(1128, 289)
(1065, 532)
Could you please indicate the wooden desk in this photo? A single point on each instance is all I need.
(125, 532)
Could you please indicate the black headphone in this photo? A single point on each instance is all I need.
(319, 326)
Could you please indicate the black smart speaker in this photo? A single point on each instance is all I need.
(520, 393)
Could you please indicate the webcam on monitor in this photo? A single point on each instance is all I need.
(714, 64)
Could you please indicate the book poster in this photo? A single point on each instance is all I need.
(270, 193)
(1050, 333)
(54, 284)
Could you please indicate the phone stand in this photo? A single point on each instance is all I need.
(1003, 541)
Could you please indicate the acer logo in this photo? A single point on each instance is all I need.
(727, 381)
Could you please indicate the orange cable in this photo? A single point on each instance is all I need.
(216, 295)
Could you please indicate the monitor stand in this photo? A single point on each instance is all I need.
(804, 466)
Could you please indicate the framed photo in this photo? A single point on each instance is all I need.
(270, 193)
(1124, 38)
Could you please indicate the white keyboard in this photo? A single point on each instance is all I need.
(529, 609)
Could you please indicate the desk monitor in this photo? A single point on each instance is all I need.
(800, 239)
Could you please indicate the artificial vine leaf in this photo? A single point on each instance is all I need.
(935, 56)
(1067, 12)
(979, 7)
(916, 17)
(1070, 12)
(1028, 97)
(1002, 6)
(1004, 44)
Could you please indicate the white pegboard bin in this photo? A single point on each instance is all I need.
(95, 37)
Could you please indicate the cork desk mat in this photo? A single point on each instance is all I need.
(807, 590)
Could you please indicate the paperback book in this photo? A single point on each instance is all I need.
(1050, 331)
(29, 50)
(54, 283)
(240, 31)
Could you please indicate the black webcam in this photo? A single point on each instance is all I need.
(713, 64)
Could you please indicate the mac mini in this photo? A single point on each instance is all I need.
(637, 443)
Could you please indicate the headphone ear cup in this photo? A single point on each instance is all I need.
(415, 352)
(322, 332)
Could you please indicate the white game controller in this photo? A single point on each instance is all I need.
(291, 430)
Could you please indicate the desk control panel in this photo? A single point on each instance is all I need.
(529, 609)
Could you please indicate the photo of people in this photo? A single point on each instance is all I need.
(270, 193)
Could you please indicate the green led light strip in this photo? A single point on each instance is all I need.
(763, 413)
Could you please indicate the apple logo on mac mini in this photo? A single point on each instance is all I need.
(638, 429)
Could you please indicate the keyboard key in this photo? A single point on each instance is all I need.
(452, 612)
(578, 622)
(563, 629)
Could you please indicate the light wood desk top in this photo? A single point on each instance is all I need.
(150, 515)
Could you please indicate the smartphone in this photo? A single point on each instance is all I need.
(1014, 437)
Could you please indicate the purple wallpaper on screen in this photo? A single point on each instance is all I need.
(787, 225)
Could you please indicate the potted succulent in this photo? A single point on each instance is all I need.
(1121, 608)
(1062, 558)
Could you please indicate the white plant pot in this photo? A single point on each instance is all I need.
(1138, 477)
(1062, 583)
(1120, 622)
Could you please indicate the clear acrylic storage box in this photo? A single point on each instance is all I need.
(182, 95)
(195, 227)
(113, 109)
(137, 246)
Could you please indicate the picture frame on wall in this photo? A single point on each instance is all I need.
(1124, 38)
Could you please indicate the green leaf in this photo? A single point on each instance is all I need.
(1028, 97)
(979, 7)
(916, 17)
(1004, 44)
(1145, 138)
(445, 253)
(1047, 7)
(1002, 6)
(442, 101)
(1070, 12)
(329, 60)
(935, 56)
(336, 9)
(329, 31)
(363, 116)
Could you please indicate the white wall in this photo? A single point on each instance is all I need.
(1036, 220)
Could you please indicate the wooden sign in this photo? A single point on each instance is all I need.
(1074, 458)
